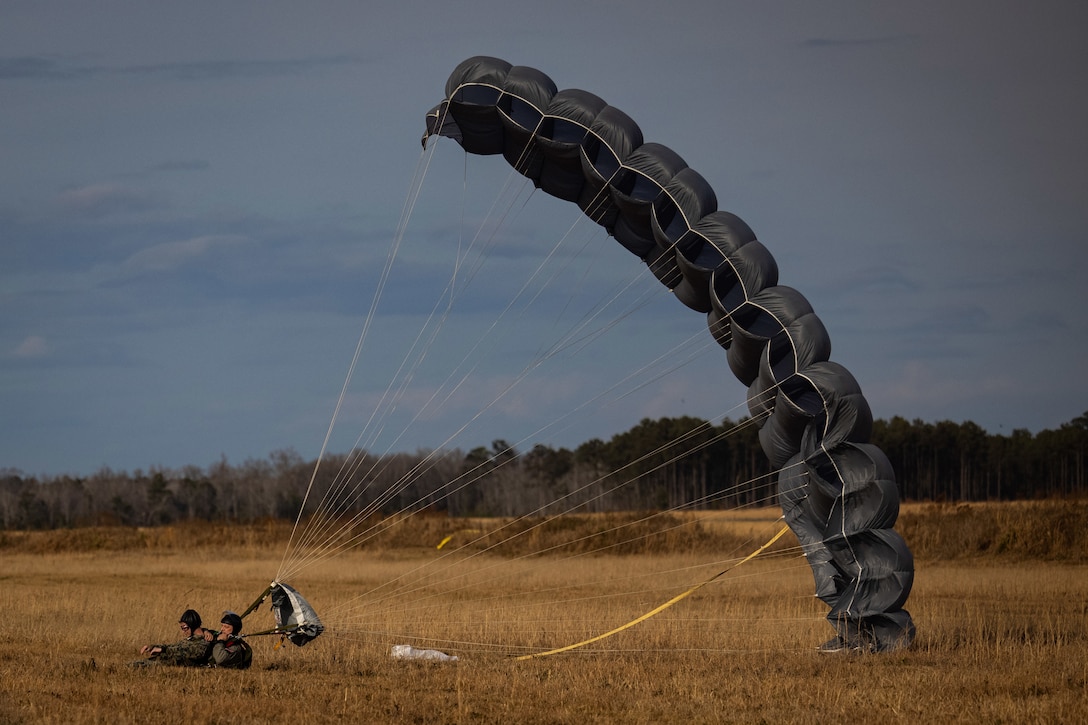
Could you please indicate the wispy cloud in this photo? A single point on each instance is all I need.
(52, 68)
(33, 68)
(99, 200)
(31, 348)
(172, 255)
(212, 70)
(920, 382)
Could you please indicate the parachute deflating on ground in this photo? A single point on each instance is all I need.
(837, 490)
(294, 615)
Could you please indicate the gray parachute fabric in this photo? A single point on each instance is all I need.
(836, 489)
(294, 615)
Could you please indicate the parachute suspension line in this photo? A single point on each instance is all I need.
(451, 288)
(532, 278)
(562, 596)
(356, 616)
(458, 484)
(410, 201)
(370, 607)
(377, 504)
(401, 590)
(421, 168)
(662, 607)
(345, 474)
(363, 514)
(471, 476)
(544, 355)
(646, 295)
(390, 494)
(404, 591)
(681, 507)
(390, 604)
(490, 213)
(468, 479)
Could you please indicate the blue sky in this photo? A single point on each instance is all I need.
(196, 200)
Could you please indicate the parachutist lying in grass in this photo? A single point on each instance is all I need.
(193, 651)
(228, 649)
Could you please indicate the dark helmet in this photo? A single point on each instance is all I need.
(191, 619)
(233, 620)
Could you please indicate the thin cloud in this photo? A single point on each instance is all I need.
(99, 200)
(222, 69)
(172, 255)
(49, 68)
(33, 68)
(921, 383)
(32, 347)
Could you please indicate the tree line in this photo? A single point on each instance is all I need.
(657, 464)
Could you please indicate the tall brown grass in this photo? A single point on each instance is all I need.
(1024, 530)
(1002, 626)
(1050, 530)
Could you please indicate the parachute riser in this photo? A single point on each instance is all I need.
(275, 630)
(259, 601)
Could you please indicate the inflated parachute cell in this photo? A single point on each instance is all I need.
(837, 490)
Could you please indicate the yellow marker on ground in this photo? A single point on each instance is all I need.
(660, 608)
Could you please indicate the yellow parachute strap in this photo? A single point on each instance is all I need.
(455, 533)
(661, 607)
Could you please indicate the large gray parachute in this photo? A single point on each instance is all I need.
(836, 489)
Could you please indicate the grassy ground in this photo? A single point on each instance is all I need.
(1000, 607)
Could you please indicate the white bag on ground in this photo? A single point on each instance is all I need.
(408, 652)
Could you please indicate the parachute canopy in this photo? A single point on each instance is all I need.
(837, 490)
(294, 615)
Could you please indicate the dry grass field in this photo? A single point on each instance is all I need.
(1000, 601)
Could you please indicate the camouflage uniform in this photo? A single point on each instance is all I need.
(234, 653)
(193, 651)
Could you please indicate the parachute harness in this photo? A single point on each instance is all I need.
(661, 607)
